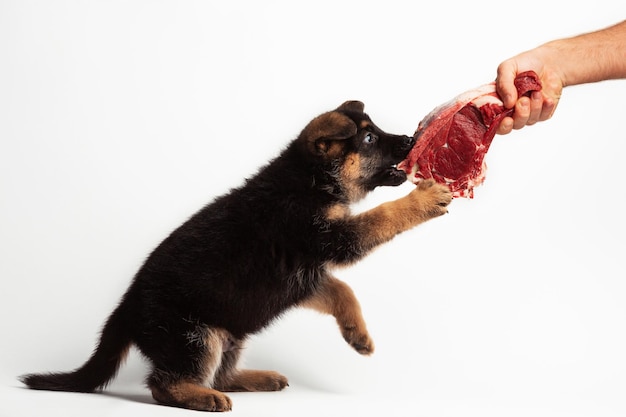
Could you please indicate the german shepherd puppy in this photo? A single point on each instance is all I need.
(250, 255)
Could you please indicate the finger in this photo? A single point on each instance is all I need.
(505, 127)
(536, 104)
(504, 83)
(521, 113)
(548, 108)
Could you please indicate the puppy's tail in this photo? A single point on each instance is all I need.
(101, 367)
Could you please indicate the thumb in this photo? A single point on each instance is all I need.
(504, 84)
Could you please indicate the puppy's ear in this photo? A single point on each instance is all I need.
(352, 105)
(325, 129)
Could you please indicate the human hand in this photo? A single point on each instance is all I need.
(540, 105)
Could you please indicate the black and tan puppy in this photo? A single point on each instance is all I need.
(247, 257)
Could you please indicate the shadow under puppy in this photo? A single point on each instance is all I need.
(251, 254)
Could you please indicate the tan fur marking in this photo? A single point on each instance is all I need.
(215, 339)
(337, 211)
(349, 175)
(330, 126)
(336, 298)
(254, 380)
(333, 149)
(193, 396)
(351, 169)
(382, 223)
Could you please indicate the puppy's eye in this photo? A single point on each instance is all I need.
(369, 138)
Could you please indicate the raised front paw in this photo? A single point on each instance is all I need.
(432, 197)
(359, 339)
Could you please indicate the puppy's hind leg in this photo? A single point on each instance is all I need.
(336, 298)
(229, 378)
(183, 374)
(189, 394)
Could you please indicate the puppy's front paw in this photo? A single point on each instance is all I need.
(432, 197)
(360, 340)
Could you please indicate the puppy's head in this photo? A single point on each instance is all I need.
(360, 155)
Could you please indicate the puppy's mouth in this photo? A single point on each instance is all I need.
(397, 170)
(391, 176)
(398, 173)
(389, 171)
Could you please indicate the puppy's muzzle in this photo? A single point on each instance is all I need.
(403, 144)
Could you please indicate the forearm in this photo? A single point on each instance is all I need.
(590, 57)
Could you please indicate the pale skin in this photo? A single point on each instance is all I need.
(586, 58)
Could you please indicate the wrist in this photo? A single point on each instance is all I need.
(558, 62)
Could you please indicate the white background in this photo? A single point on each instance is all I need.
(119, 119)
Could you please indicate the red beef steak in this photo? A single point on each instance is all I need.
(453, 139)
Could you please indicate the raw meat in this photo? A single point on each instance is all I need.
(452, 140)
